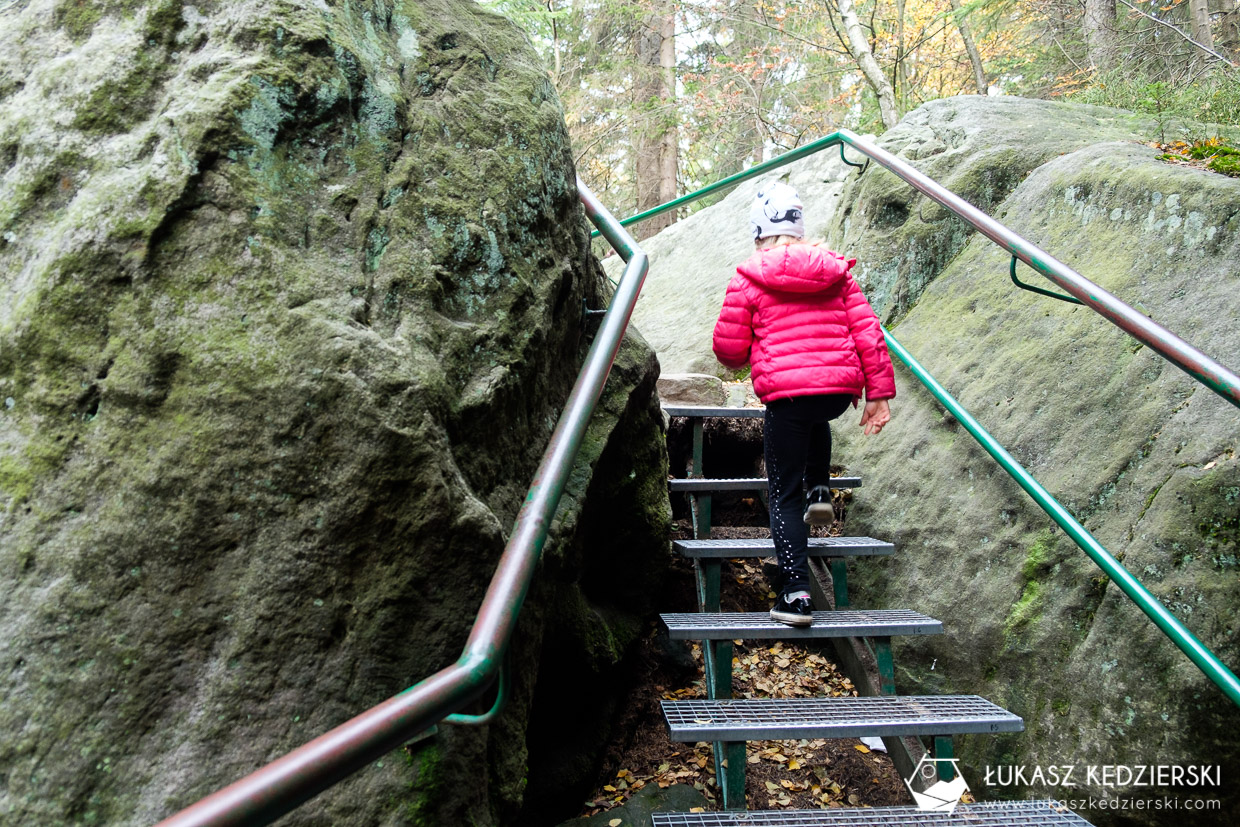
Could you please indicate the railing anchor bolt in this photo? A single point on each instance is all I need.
(862, 167)
(587, 313)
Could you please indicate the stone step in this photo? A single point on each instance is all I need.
(986, 814)
(768, 719)
(765, 547)
(699, 485)
(759, 626)
(709, 410)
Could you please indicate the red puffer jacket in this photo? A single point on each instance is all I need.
(795, 313)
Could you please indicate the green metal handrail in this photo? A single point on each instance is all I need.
(1201, 367)
(270, 792)
(1171, 626)
(1180, 353)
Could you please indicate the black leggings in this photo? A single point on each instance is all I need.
(797, 439)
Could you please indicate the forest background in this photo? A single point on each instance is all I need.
(665, 96)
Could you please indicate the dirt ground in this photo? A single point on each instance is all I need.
(805, 774)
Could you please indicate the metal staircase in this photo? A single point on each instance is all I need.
(990, 814)
(729, 723)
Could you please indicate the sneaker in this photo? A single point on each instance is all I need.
(799, 612)
(818, 510)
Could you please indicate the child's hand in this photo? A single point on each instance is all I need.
(876, 415)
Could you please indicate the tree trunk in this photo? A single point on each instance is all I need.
(1100, 33)
(654, 121)
(1199, 10)
(899, 75)
(861, 53)
(970, 46)
(669, 161)
(1229, 30)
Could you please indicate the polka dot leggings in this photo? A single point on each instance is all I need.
(797, 440)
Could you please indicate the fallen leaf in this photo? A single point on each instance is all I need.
(615, 822)
(609, 788)
(861, 748)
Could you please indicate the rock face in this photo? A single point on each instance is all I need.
(1141, 454)
(289, 305)
(979, 148)
(691, 389)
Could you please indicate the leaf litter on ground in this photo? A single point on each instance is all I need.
(791, 774)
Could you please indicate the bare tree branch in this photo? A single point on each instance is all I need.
(866, 62)
(1180, 32)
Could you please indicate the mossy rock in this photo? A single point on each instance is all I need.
(979, 148)
(1134, 448)
(289, 306)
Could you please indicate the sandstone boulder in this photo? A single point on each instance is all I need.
(289, 305)
(691, 389)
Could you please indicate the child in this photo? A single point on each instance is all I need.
(795, 314)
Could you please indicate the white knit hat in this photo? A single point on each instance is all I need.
(777, 211)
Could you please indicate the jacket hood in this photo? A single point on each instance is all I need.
(796, 268)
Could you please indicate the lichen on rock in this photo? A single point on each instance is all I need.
(290, 301)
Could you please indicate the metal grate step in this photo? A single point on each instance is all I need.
(769, 720)
(987, 814)
(711, 410)
(699, 486)
(818, 547)
(759, 626)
